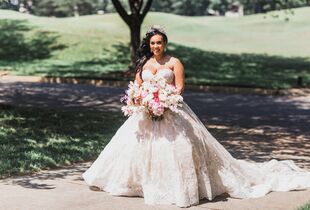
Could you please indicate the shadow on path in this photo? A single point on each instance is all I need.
(40, 181)
(257, 127)
(251, 127)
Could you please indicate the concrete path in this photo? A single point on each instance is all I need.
(242, 123)
(64, 189)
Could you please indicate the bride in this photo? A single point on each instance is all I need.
(176, 160)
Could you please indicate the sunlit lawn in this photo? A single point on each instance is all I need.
(32, 138)
(260, 34)
(201, 68)
(252, 51)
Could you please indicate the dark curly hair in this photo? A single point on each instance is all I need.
(144, 52)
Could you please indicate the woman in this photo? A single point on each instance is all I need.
(176, 160)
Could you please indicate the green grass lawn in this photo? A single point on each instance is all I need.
(32, 138)
(305, 207)
(251, 51)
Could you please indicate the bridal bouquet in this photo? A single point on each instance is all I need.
(156, 96)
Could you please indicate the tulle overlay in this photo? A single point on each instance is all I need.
(177, 161)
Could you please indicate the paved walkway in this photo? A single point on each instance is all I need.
(242, 123)
(64, 189)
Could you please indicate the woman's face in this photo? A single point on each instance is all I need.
(157, 45)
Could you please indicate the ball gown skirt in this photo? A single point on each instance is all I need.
(177, 161)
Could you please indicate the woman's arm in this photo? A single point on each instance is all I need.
(178, 70)
(138, 79)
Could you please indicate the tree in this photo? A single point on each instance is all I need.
(191, 7)
(182, 7)
(65, 8)
(134, 21)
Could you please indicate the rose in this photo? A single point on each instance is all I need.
(155, 96)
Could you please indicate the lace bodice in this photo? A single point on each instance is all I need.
(166, 73)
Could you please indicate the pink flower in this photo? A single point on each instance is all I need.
(155, 96)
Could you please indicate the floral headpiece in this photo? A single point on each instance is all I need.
(156, 28)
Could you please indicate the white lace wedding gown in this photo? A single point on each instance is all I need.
(177, 161)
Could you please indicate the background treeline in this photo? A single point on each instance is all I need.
(203, 7)
(67, 8)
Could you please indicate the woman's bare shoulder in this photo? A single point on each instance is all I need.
(174, 60)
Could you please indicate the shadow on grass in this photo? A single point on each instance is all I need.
(201, 68)
(114, 60)
(37, 138)
(245, 70)
(17, 45)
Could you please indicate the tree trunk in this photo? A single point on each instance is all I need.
(135, 29)
(134, 22)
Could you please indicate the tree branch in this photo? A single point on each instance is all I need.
(146, 8)
(140, 6)
(121, 11)
(135, 6)
(131, 5)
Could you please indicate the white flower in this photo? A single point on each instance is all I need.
(147, 98)
(153, 96)
(162, 96)
(162, 83)
(154, 89)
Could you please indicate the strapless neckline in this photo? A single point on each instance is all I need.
(157, 71)
(165, 73)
